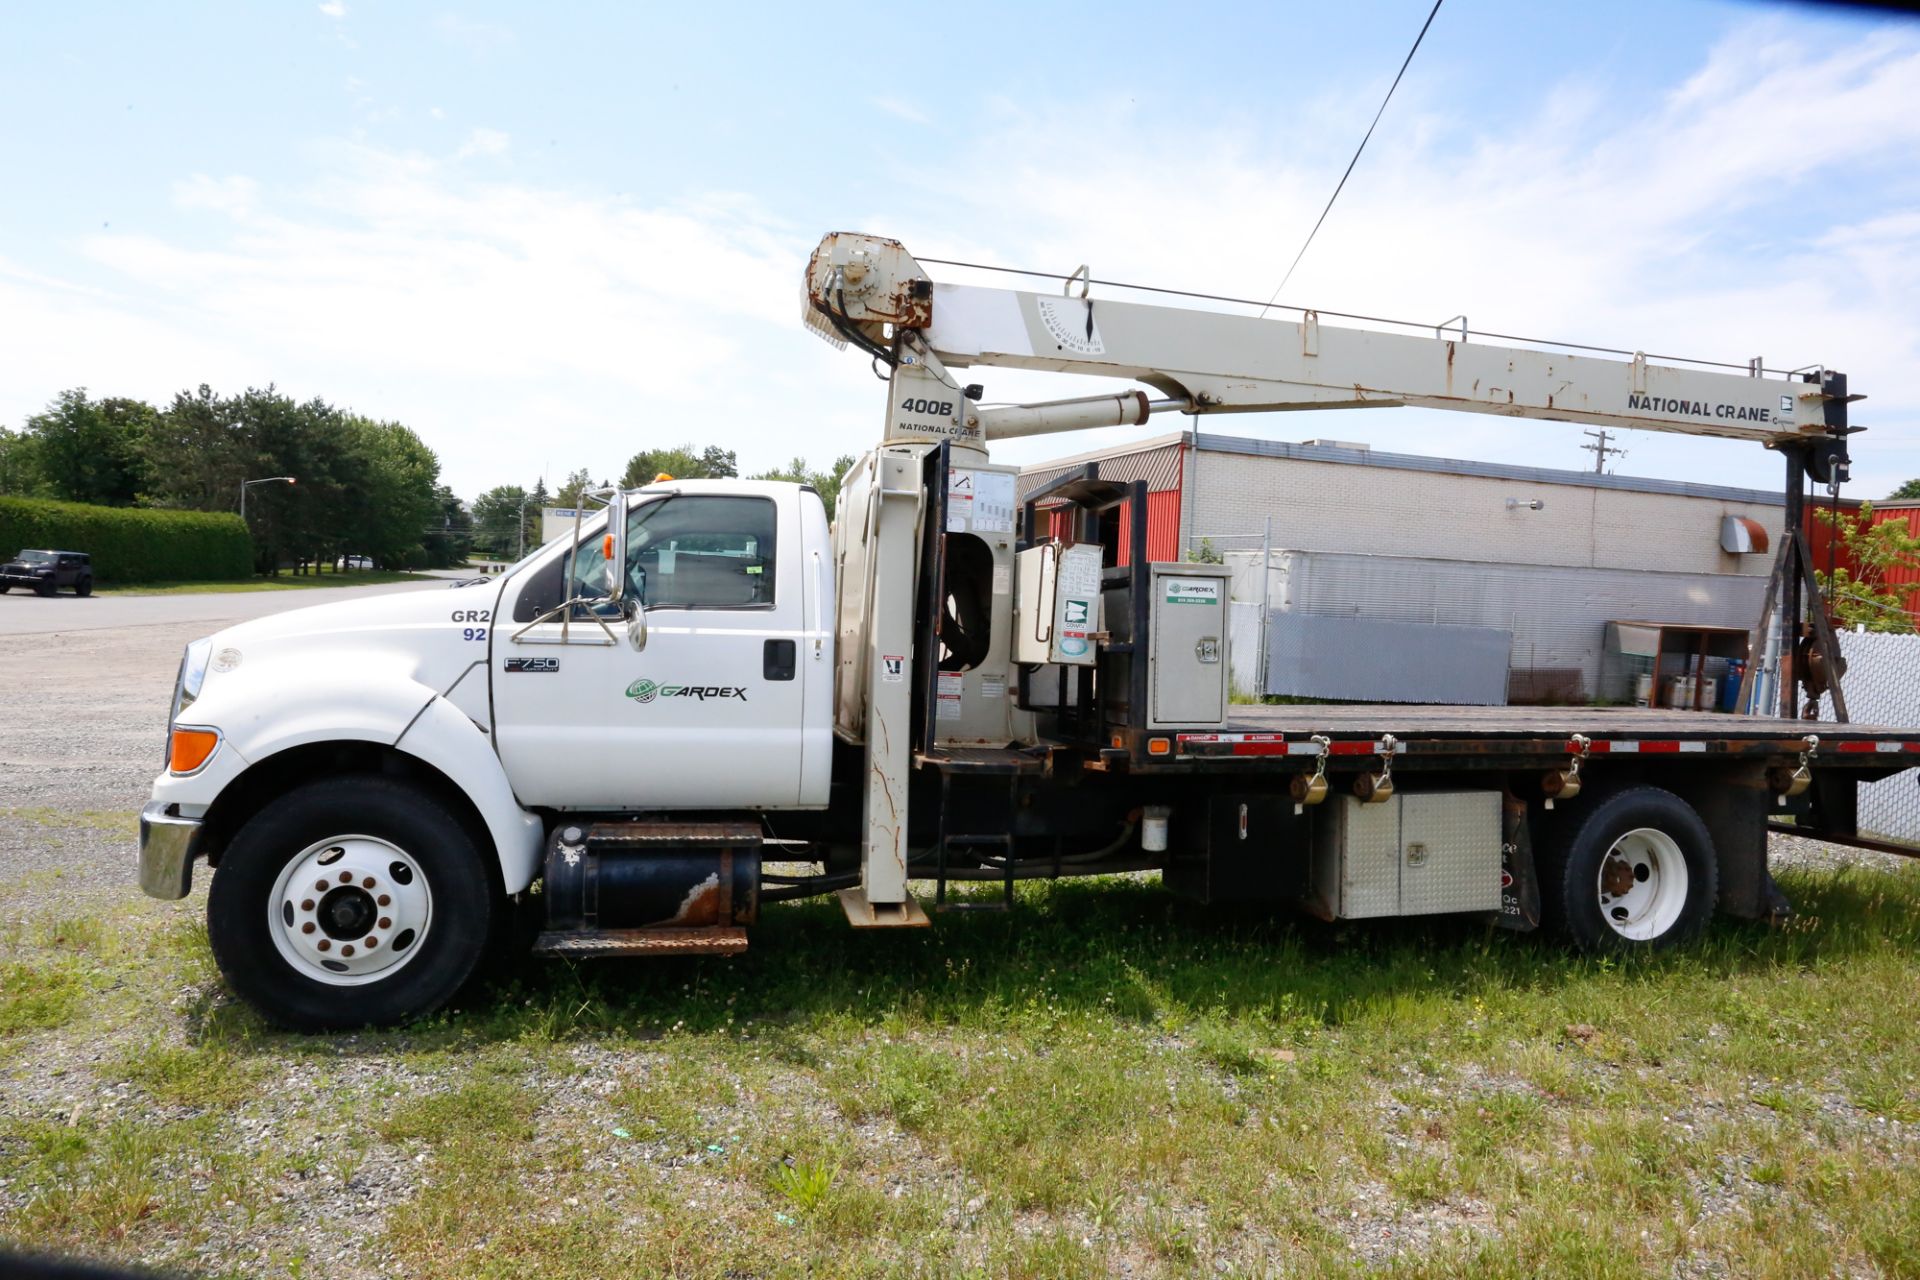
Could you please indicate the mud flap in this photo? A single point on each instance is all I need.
(1519, 880)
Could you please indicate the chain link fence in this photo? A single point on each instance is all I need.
(1882, 685)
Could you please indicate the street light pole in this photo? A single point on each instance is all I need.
(520, 550)
(248, 484)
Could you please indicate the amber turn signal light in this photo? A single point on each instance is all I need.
(190, 748)
(1159, 747)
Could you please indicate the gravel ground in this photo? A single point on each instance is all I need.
(80, 744)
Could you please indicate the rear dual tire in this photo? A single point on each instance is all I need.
(1635, 872)
(348, 902)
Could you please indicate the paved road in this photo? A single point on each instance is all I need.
(24, 613)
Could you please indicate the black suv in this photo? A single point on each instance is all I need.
(48, 571)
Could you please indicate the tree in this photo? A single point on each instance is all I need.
(686, 462)
(1863, 596)
(452, 542)
(197, 455)
(530, 529)
(93, 450)
(827, 483)
(573, 492)
(399, 492)
(496, 515)
(1911, 489)
(20, 465)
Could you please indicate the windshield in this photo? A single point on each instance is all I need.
(36, 557)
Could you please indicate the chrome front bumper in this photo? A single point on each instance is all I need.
(168, 845)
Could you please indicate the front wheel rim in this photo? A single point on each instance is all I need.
(1642, 884)
(350, 910)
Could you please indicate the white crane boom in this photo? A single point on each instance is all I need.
(871, 291)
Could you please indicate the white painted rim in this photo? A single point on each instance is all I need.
(1642, 884)
(350, 910)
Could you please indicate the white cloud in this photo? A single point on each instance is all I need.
(517, 328)
(477, 37)
(333, 9)
(234, 196)
(484, 142)
(902, 109)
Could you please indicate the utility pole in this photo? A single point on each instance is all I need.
(1600, 449)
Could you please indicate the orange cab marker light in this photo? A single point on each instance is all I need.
(662, 478)
(606, 548)
(190, 748)
(1158, 747)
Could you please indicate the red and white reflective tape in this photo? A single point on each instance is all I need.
(1639, 746)
(1274, 744)
(1375, 748)
(1239, 744)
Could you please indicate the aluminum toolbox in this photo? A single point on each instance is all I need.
(1416, 854)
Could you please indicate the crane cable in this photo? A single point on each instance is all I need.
(1356, 153)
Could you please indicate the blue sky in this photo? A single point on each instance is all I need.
(548, 236)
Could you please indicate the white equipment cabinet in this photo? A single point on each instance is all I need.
(1187, 665)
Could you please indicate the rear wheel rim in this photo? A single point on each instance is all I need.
(1642, 884)
(350, 910)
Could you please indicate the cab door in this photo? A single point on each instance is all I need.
(710, 714)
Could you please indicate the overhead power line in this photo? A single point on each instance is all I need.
(1356, 153)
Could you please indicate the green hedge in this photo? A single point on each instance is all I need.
(131, 544)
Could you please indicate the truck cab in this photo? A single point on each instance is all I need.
(375, 780)
(726, 702)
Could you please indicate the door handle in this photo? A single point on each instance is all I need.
(817, 606)
(777, 660)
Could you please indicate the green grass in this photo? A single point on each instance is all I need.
(1103, 1080)
(117, 822)
(285, 582)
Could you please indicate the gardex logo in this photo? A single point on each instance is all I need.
(645, 691)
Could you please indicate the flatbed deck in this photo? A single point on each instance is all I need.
(1448, 736)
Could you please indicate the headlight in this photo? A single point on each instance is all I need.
(193, 674)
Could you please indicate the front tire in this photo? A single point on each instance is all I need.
(44, 588)
(350, 902)
(1636, 872)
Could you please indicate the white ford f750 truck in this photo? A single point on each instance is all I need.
(623, 733)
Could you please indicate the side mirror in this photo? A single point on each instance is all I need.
(615, 546)
(636, 624)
